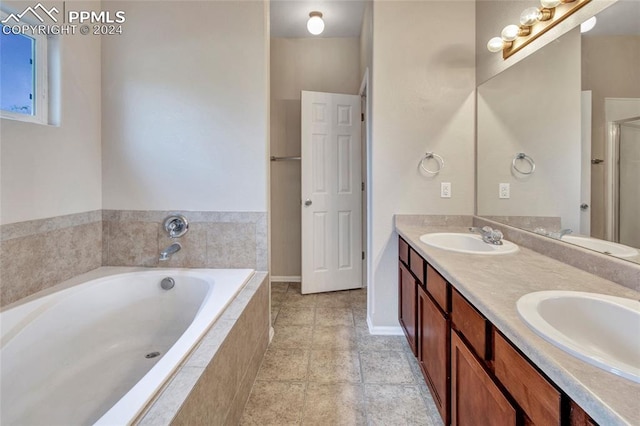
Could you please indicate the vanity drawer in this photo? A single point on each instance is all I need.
(403, 251)
(416, 264)
(438, 287)
(539, 399)
(470, 323)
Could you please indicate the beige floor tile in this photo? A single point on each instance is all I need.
(292, 336)
(299, 300)
(334, 299)
(277, 298)
(279, 288)
(274, 313)
(284, 365)
(274, 403)
(334, 366)
(294, 288)
(334, 404)
(334, 316)
(386, 367)
(371, 343)
(295, 316)
(341, 338)
(358, 299)
(395, 405)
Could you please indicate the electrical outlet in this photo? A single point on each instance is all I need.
(504, 190)
(445, 189)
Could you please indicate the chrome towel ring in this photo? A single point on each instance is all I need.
(524, 157)
(439, 160)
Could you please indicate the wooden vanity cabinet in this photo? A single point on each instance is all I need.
(433, 344)
(475, 375)
(475, 398)
(407, 298)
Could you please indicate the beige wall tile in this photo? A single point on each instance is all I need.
(133, 244)
(231, 245)
(35, 262)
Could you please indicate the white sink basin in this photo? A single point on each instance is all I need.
(607, 247)
(466, 243)
(599, 329)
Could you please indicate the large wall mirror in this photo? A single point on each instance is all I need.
(559, 138)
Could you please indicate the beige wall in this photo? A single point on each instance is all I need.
(610, 67)
(322, 65)
(533, 107)
(49, 171)
(185, 96)
(422, 100)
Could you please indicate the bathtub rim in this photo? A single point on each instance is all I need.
(254, 279)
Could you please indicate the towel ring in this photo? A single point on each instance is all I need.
(525, 157)
(436, 157)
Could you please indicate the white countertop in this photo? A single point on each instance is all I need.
(494, 284)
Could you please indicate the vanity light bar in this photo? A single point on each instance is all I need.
(534, 21)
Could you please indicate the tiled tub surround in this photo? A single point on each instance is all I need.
(212, 385)
(214, 240)
(39, 254)
(493, 284)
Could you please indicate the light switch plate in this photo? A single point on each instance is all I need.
(445, 189)
(504, 190)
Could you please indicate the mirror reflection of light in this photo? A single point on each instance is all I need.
(588, 24)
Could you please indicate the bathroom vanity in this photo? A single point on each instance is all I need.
(481, 362)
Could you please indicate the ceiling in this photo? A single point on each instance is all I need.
(342, 18)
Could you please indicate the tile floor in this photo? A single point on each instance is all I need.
(324, 368)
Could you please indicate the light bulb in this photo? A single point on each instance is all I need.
(315, 24)
(550, 4)
(529, 16)
(510, 32)
(588, 24)
(495, 45)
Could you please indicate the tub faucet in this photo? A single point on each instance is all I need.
(489, 235)
(172, 249)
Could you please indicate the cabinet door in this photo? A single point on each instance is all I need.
(475, 399)
(433, 351)
(407, 289)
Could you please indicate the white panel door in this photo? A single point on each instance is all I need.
(331, 192)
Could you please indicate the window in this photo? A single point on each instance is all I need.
(23, 76)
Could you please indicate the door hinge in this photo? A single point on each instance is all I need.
(362, 255)
(362, 116)
(363, 186)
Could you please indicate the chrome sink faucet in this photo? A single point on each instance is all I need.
(172, 249)
(559, 234)
(489, 235)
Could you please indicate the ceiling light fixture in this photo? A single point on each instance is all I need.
(315, 24)
(534, 21)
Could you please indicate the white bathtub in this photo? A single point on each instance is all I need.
(78, 356)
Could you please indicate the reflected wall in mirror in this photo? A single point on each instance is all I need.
(566, 107)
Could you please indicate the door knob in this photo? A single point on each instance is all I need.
(308, 202)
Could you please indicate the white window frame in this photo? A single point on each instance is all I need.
(41, 89)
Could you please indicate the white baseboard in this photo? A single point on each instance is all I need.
(384, 330)
(284, 279)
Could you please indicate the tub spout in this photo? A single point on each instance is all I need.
(172, 249)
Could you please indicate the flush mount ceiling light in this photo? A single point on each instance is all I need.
(534, 21)
(315, 24)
